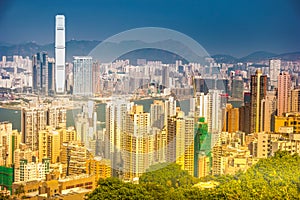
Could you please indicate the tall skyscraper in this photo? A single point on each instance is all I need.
(231, 119)
(49, 144)
(51, 74)
(274, 71)
(284, 93)
(201, 107)
(258, 92)
(40, 74)
(244, 118)
(202, 148)
(96, 78)
(180, 141)
(237, 90)
(268, 110)
(60, 53)
(157, 110)
(116, 112)
(137, 143)
(165, 76)
(214, 118)
(82, 66)
(200, 85)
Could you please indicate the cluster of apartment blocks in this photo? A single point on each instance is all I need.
(268, 119)
(142, 139)
(16, 73)
(246, 134)
(44, 148)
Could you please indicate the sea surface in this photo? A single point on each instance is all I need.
(14, 115)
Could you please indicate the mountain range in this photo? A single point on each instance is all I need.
(83, 47)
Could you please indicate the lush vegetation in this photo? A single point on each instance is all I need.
(273, 178)
(168, 175)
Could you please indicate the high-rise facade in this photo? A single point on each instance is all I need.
(201, 105)
(157, 111)
(237, 90)
(231, 119)
(295, 100)
(60, 54)
(160, 144)
(258, 93)
(180, 141)
(51, 74)
(137, 143)
(244, 118)
(165, 76)
(268, 111)
(96, 78)
(214, 118)
(202, 148)
(274, 65)
(36, 118)
(200, 85)
(40, 75)
(83, 78)
(33, 120)
(49, 144)
(284, 93)
(116, 112)
(74, 154)
(56, 116)
(9, 142)
(99, 167)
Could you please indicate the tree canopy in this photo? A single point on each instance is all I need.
(277, 177)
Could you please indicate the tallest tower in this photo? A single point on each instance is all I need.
(60, 54)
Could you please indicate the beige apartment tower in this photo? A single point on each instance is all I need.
(284, 93)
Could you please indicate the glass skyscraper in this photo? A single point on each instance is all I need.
(82, 66)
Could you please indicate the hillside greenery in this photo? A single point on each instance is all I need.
(277, 177)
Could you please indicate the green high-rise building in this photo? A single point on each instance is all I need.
(6, 178)
(202, 145)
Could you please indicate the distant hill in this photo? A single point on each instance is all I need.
(222, 58)
(83, 47)
(257, 57)
(152, 54)
(289, 56)
(73, 48)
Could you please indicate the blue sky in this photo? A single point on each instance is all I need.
(236, 27)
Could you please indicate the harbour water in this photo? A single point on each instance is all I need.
(14, 115)
(11, 115)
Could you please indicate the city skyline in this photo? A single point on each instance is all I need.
(220, 27)
(192, 126)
